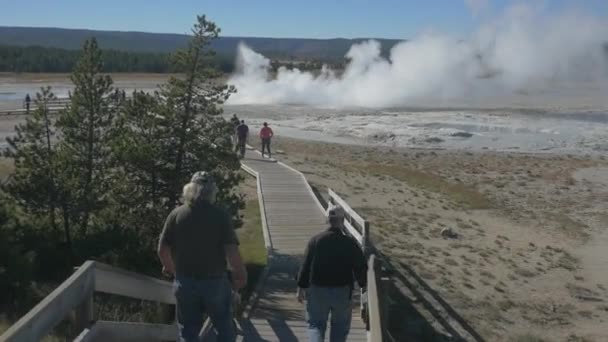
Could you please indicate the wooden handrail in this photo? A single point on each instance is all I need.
(55, 307)
(374, 312)
(113, 280)
(53, 106)
(54, 102)
(267, 242)
(356, 225)
(8, 112)
(76, 293)
(360, 221)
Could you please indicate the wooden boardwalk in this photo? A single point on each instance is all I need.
(292, 215)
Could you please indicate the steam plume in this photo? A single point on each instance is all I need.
(523, 48)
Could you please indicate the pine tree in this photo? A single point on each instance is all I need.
(137, 159)
(164, 139)
(86, 134)
(37, 186)
(107, 172)
(160, 140)
(33, 151)
(16, 259)
(200, 139)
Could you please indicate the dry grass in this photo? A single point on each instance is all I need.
(466, 196)
(567, 261)
(251, 240)
(524, 272)
(568, 226)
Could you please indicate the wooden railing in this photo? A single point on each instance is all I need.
(373, 304)
(58, 102)
(75, 295)
(267, 243)
(53, 106)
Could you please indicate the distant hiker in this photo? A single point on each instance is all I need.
(234, 120)
(332, 262)
(197, 239)
(266, 135)
(28, 100)
(242, 133)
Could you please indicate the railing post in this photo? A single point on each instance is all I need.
(364, 311)
(384, 295)
(365, 238)
(167, 313)
(83, 315)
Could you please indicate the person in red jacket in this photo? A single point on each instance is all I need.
(266, 134)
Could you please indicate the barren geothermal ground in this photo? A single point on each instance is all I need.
(521, 181)
(567, 118)
(529, 259)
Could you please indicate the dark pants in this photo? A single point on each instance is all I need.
(196, 297)
(266, 146)
(240, 146)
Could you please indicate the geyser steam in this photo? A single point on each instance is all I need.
(522, 49)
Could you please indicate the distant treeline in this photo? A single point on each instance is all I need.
(43, 59)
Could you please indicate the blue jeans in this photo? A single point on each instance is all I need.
(320, 302)
(195, 298)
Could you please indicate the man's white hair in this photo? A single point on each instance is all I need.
(195, 192)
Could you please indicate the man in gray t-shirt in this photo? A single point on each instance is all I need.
(195, 242)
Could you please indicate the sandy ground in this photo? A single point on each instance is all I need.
(529, 259)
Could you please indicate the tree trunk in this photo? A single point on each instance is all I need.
(67, 233)
(89, 168)
(184, 125)
(52, 190)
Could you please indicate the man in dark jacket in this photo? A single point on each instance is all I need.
(333, 261)
(242, 133)
(28, 100)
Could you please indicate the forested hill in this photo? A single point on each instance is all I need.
(47, 59)
(71, 39)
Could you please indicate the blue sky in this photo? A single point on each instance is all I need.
(270, 18)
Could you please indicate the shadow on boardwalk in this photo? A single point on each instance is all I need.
(280, 331)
